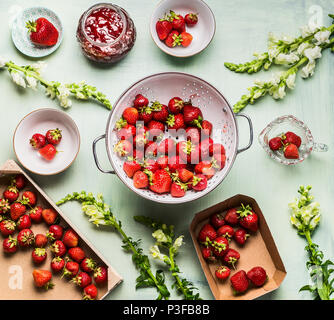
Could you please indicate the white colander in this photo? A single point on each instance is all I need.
(162, 87)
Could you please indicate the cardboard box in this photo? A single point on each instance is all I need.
(259, 250)
(16, 269)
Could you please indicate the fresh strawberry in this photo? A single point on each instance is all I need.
(204, 167)
(216, 148)
(131, 167)
(25, 238)
(141, 101)
(206, 128)
(58, 248)
(17, 209)
(37, 141)
(199, 182)
(175, 105)
(40, 240)
(49, 216)
(55, 232)
(291, 152)
(191, 19)
(205, 146)
(207, 253)
(88, 265)
(188, 152)
(240, 236)
(178, 189)
(76, 254)
(192, 115)
(83, 279)
(217, 220)
(185, 175)
(226, 231)
(220, 246)
(239, 282)
(29, 198)
(161, 182)
(291, 138)
(42, 32)
(39, 255)
(175, 121)
(172, 39)
(4, 206)
(232, 216)
(126, 133)
(48, 152)
(248, 218)
(275, 143)
(151, 149)
(57, 264)
(151, 165)
(207, 233)
(43, 278)
(19, 181)
(90, 292)
(156, 129)
(131, 115)
(160, 111)
(123, 148)
(146, 115)
(101, 275)
(193, 134)
(185, 38)
(163, 28)
(178, 22)
(257, 276)
(222, 272)
(232, 257)
(175, 163)
(7, 227)
(140, 180)
(54, 136)
(11, 194)
(36, 214)
(167, 147)
(139, 141)
(71, 238)
(71, 269)
(138, 156)
(163, 162)
(10, 245)
(24, 222)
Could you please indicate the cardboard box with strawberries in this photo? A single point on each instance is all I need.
(259, 250)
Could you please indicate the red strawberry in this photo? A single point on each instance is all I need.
(291, 152)
(207, 254)
(192, 115)
(25, 238)
(127, 132)
(172, 39)
(188, 152)
(232, 257)
(4, 206)
(207, 233)
(55, 232)
(193, 134)
(178, 189)
(222, 272)
(131, 115)
(216, 148)
(43, 278)
(58, 248)
(24, 222)
(161, 182)
(185, 175)
(7, 227)
(206, 128)
(48, 152)
(37, 141)
(131, 167)
(140, 141)
(199, 182)
(205, 168)
(40, 240)
(257, 276)
(140, 101)
(57, 264)
(42, 32)
(19, 181)
(175, 163)
(90, 292)
(76, 254)
(191, 19)
(220, 246)
(39, 255)
(217, 220)
(88, 265)
(248, 218)
(49, 216)
(10, 245)
(36, 214)
(175, 105)
(163, 28)
(163, 162)
(175, 121)
(151, 165)
(232, 216)
(140, 180)
(291, 138)
(11, 194)
(29, 198)
(275, 143)
(239, 282)
(167, 146)
(178, 22)
(226, 231)
(205, 146)
(54, 136)
(100, 275)
(160, 111)
(138, 155)
(123, 148)
(17, 209)
(184, 39)
(151, 149)
(155, 128)
(71, 269)
(146, 115)
(240, 236)
(71, 238)
(83, 279)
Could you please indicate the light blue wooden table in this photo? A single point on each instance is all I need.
(242, 28)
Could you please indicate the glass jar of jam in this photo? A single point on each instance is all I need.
(106, 33)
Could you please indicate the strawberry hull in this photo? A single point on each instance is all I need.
(259, 250)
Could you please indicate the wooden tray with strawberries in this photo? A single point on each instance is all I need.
(87, 274)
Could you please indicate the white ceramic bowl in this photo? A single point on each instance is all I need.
(202, 32)
(40, 121)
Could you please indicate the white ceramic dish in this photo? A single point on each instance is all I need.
(40, 121)
(203, 31)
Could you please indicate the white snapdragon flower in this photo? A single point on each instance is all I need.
(283, 58)
(62, 96)
(313, 53)
(3, 62)
(290, 81)
(308, 70)
(278, 92)
(50, 92)
(178, 243)
(160, 236)
(322, 37)
(302, 47)
(156, 254)
(308, 30)
(32, 82)
(273, 53)
(287, 39)
(18, 79)
(80, 95)
(39, 66)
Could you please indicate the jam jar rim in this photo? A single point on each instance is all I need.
(101, 5)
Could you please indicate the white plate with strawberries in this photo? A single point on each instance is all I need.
(46, 141)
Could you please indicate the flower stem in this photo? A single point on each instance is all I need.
(174, 274)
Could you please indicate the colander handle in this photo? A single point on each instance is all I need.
(250, 132)
(95, 154)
